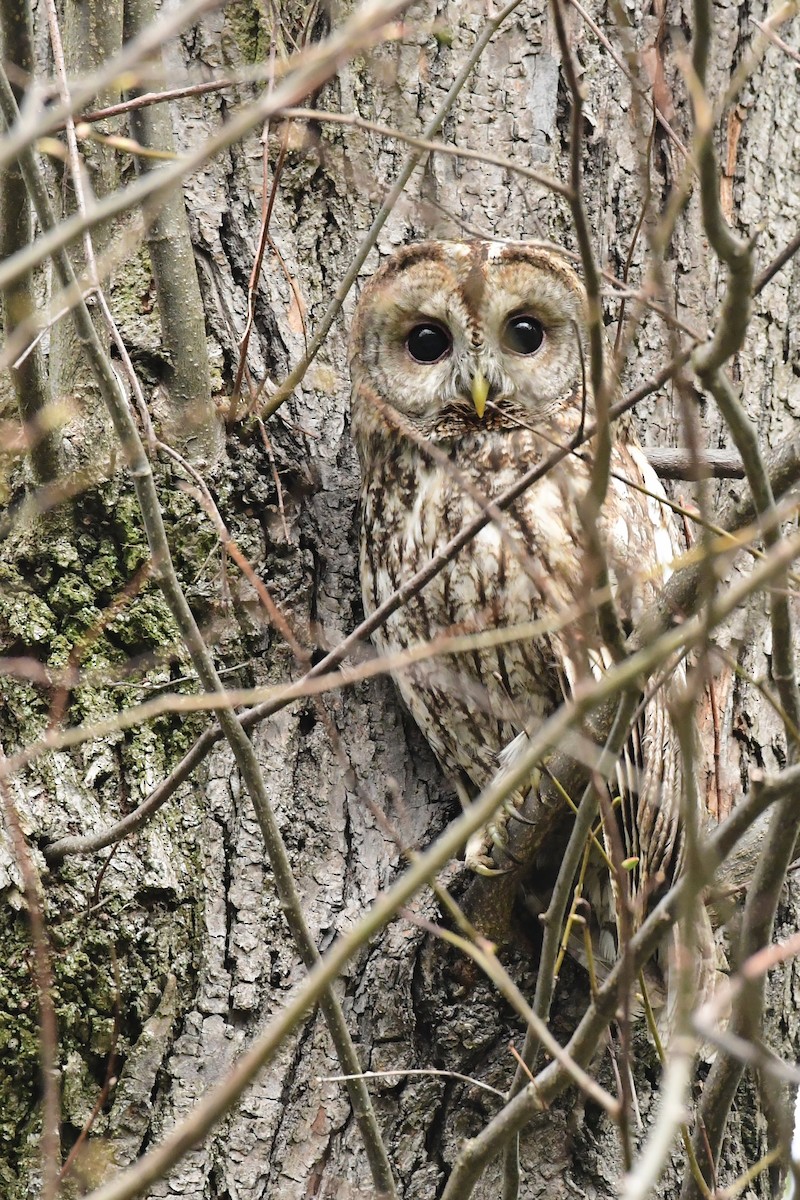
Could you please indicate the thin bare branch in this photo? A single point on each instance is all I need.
(36, 122)
(410, 1073)
(481, 953)
(192, 421)
(426, 145)
(677, 462)
(582, 1045)
(778, 263)
(762, 896)
(28, 375)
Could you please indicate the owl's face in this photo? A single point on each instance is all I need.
(445, 327)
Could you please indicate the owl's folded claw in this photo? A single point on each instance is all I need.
(477, 853)
(478, 856)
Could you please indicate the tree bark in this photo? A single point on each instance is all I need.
(172, 951)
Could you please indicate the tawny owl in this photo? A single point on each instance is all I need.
(469, 366)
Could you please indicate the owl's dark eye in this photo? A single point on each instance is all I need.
(523, 334)
(428, 342)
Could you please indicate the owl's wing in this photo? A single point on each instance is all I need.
(641, 544)
(651, 765)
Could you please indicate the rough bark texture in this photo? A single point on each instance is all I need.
(181, 932)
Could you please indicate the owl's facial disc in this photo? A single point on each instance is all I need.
(446, 330)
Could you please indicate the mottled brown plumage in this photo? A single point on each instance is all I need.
(510, 319)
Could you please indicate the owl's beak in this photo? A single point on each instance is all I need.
(480, 391)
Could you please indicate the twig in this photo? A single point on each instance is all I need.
(83, 206)
(267, 206)
(426, 145)
(424, 1072)
(637, 87)
(591, 503)
(34, 125)
(553, 919)
(777, 41)
(778, 263)
(581, 1046)
(677, 462)
(481, 954)
(192, 421)
(640, 1181)
(762, 896)
(679, 596)
(20, 302)
(162, 96)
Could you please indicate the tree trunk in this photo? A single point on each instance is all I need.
(171, 950)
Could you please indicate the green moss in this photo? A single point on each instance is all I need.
(72, 600)
(69, 594)
(27, 618)
(86, 1003)
(147, 623)
(66, 600)
(246, 22)
(133, 296)
(124, 524)
(64, 553)
(19, 1052)
(102, 572)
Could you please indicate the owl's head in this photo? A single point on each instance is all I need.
(443, 328)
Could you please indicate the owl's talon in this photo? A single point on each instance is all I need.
(517, 816)
(497, 835)
(491, 873)
(477, 853)
(497, 829)
(493, 835)
(478, 856)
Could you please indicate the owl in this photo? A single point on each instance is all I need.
(469, 363)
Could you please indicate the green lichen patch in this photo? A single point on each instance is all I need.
(246, 22)
(133, 297)
(26, 617)
(19, 1048)
(107, 983)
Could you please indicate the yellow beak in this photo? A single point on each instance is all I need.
(480, 390)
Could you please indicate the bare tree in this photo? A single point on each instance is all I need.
(241, 955)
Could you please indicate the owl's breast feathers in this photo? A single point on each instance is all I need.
(531, 567)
